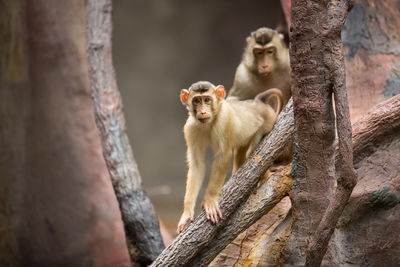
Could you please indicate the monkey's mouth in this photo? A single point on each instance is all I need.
(264, 73)
(204, 120)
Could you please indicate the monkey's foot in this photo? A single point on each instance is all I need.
(186, 216)
(212, 210)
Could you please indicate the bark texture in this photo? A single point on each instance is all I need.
(346, 176)
(60, 209)
(314, 121)
(263, 199)
(269, 206)
(138, 214)
(186, 249)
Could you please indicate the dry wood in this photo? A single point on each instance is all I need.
(138, 215)
(194, 240)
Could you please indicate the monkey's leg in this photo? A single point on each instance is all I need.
(239, 157)
(217, 178)
(195, 177)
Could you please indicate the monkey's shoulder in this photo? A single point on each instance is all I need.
(243, 78)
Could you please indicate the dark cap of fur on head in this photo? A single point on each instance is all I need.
(263, 36)
(201, 86)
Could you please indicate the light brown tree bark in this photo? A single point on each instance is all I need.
(138, 214)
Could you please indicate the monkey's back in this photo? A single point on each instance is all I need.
(248, 119)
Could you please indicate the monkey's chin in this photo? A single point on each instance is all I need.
(204, 120)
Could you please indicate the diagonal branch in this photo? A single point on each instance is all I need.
(257, 205)
(193, 242)
(140, 220)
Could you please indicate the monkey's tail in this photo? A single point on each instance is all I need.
(269, 95)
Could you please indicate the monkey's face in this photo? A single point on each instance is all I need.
(203, 106)
(203, 103)
(265, 57)
(261, 55)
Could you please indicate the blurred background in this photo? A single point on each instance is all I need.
(160, 47)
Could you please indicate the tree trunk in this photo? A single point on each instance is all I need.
(314, 44)
(57, 203)
(140, 220)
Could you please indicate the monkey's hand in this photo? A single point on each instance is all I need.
(212, 209)
(186, 216)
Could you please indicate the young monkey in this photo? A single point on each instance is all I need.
(223, 125)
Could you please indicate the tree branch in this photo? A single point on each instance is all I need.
(257, 205)
(140, 220)
(374, 127)
(195, 239)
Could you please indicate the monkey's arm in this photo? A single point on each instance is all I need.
(219, 170)
(195, 177)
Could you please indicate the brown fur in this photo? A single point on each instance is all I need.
(270, 69)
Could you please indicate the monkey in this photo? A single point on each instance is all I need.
(223, 125)
(265, 64)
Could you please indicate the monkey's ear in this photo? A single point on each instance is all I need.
(220, 91)
(184, 96)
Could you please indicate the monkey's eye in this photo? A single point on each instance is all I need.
(196, 101)
(258, 52)
(271, 51)
(207, 100)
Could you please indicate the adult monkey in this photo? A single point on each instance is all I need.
(265, 64)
